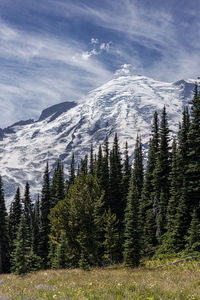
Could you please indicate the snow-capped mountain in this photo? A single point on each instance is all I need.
(124, 105)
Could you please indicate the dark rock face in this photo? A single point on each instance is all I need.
(22, 122)
(56, 110)
(9, 129)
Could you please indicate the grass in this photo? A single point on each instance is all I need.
(180, 282)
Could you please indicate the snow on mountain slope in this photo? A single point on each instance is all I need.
(124, 105)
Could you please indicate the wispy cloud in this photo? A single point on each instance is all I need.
(39, 67)
(97, 49)
(38, 71)
(156, 28)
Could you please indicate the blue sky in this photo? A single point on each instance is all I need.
(57, 50)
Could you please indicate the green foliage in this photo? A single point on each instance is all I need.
(4, 249)
(111, 242)
(14, 218)
(23, 260)
(57, 189)
(78, 217)
(44, 221)
(131, 235)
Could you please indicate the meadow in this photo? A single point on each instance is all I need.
(180, 281)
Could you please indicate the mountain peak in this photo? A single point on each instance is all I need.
(124, 105)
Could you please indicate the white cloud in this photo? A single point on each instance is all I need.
(155, 29)
(94, 41)
(38, 71)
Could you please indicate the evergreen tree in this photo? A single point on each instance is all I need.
(36, 227)
(99, 166)
(84, 165)
(44, 221)
(72, 171)
(116, 196)
(126, 175)
(77, 216)
(193, 167)
(105, 179)
(161, 176)
(4, 249)
(132, 233)
(170, 240)
(23, 259)
(28, 207)
(147, 212)
(14, 218)
(111, 241)
(61, 254)
(91, 165)
(57, 189)
(193, 239)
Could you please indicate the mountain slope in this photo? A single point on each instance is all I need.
(124, 105)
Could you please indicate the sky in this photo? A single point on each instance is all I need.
(53, 51)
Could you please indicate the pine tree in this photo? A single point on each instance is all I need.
(193, 167)
(111, 241)
(91, 165)
(23, 259)
(28, 207)
(84, 165)
(22, 247)
(193, 239)
(161, 176)
(57, 189)
(116, 195)
(170, 238)
(132, 233)
(36, 227)
(147, 206)
(4, 249)
(77, 216)
(126, 175)
(14, 218)
(61, 254)
(44, 221)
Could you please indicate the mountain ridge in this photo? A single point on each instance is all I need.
(124, 105)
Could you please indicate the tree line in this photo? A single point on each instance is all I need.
(109, 211)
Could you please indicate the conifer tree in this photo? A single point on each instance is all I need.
(132, 233)
(72, 171)
(14, 218)
(99, 165)
(111, 240)
(22, 247)
(193, 167)
(4, 249)
(57, 189)
(116, 195)
(28, 207)
(36, 227)
(193, 239)
(161, 176)
(147, 205)
(170, 238)
(23, 260)
(84, 165)
(126, 175)
(105, 180)
(44, 221)
(61, 254)
(91, 165)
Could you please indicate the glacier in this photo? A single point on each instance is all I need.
(125, 105)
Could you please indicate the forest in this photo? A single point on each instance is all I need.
(109, 211)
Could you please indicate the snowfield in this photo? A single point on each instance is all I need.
(124, 105)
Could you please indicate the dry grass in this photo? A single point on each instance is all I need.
(179, 282)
